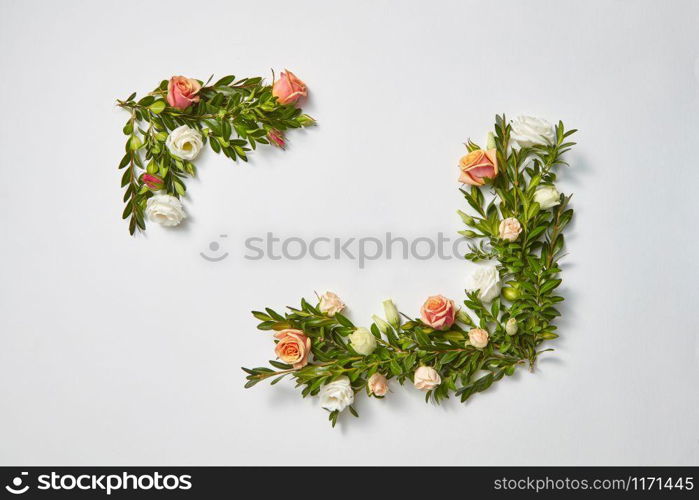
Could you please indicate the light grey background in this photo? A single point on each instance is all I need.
(120, 350)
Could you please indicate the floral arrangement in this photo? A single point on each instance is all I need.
(169, 127)
(517, 221)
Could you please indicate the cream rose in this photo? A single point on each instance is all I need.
(478, 337)
(184, 142)
(337, 395)
(378, 385)
(510, 229)
(426, 378)
(165, 210)
(547, 197)
(331, 304)
(362, 341)
(487, 280)
(528, 131)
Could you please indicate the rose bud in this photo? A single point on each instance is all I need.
(511, 326)
(391, 313)
(289, 88)
(478, 337)
(478, 167)
(276, 138)
(547, 197)
(330, 304)
(510, 229)
(153, 182)
(378, 385)
(182, 92)
(438, 312)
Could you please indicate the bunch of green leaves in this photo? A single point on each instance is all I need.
(233, 116)
(529, 265)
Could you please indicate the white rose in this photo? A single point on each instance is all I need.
(184, 142)
(362, 341)
(337, 395)
(528, 130)
(426, 378)
(165, 209)
(547, 197)
(487, 280)
(331, 304)
(511, 326)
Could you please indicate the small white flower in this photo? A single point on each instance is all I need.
(426, 378)
(547, 197)
(487, 280)
(337, 395)
(184, 142)
(331, 304)
(165, 210)
(362, 341)
(528, 131)
(511, 326)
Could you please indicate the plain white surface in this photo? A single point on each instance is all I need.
(120, 350)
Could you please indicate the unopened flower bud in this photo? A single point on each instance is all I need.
(511, 294)
(153, 182)
(276, 138)
(381, 324)
(491, 141)
(391, 313)
(511, 326)
(468, 220)
(306, 121)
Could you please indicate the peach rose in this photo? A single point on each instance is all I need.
(289, 89)
(510, 229)
(330, 304)
(478, 166)
(182, 92)
(438, 312)
(478, 337)
(378, 384)
(426, 378)
(293, 347)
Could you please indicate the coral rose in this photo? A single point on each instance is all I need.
(478, 166)
(289, 88)
(182, 92)
(293, 347)
(438, 312)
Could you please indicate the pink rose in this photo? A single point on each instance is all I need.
(182, 92)
(438, 312)
(378, 385)
(510, 229)
(289, 89)
(478, 166)
(293, 347)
